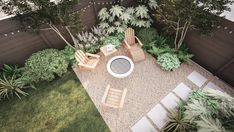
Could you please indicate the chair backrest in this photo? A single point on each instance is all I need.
(130, 36)
(81, 57)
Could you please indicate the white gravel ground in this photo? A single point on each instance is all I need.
(147, 85)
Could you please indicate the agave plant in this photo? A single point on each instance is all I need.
(11, 87)
(177, 122)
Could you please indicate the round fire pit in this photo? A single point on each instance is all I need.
(120, 66)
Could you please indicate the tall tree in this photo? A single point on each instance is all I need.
(180, 16)
(38, 13)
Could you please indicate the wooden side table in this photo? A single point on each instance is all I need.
(107, 53)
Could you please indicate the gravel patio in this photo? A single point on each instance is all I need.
(146, 86)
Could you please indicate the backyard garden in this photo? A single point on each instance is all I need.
(62, 89)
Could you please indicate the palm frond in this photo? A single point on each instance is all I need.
(209, 125)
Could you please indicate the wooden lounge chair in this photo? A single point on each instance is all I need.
(113, 97)
(86, 60)
(136, 52)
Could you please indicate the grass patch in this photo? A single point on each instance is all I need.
(62, 105)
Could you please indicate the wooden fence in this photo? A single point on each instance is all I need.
(17, 46)
(215, 53)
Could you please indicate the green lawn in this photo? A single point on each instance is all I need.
(62, 105)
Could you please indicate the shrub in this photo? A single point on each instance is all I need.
(210, 110)
(112, 40)
(184, 55)
(9, 70)
(147, 35)
(11, 86)
(45, 65)
(69, 54)
(168, 62)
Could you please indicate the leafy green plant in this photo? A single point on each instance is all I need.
(91, 41)
(209, 110)
(147, 35)
(168, 62)
(201, 95)
(88, 42)
(9, 70)
(45, 65)
(112, 40)
(52, 13)
(118, 18)
(207, 124)
(180, 16)
(225, 101)
(69, 54)
(12, 86)
(177, 121)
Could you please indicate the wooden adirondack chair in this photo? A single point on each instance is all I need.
(114, 97)
(136, 52)
(86, 60)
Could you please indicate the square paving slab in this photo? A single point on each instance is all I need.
(143, 125)
(182, 91)
(159, 116)
(197, 78)
(212, 86)
(170, 101)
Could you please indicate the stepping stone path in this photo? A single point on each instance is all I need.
(197, 78)
(182, 91)
(170, 101)
(212, 86)
(143, 125)
(159, 116)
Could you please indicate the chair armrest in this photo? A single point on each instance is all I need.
(128, 46)
(93, 55)
(140, 43)
(84, 65)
